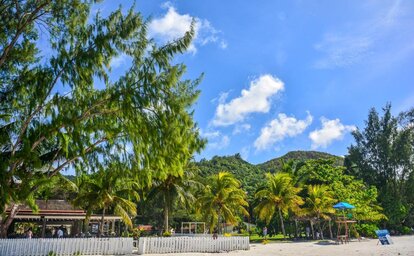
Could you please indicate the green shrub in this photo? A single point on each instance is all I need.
(405, 230)
(166, 234)
(367, 230)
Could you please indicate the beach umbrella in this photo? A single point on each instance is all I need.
(343, 206)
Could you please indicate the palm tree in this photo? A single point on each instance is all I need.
(278, 195)
(294, 169)
(108, 189)
(319, 204)
(222, 199)
(174, 188)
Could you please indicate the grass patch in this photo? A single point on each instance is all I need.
(261, 239)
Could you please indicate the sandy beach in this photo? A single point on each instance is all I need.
(403, 245)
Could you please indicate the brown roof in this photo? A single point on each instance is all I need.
(51, 206)
(56, 210)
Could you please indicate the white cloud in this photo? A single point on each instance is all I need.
(221, 98)
(331, 130)
(241, 128)
(342, 50)
(280, 128)
(245, 152)
(174, 25)
(119, 61)
(254, 100)
(221, 143)
(216, 140)
(364, 40)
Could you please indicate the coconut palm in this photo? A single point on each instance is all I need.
(173, 189)
(319, 204)
(108, 189)
(278, 196)
(294, 169)
(222, 199)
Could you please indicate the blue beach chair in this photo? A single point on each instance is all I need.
(384, 237)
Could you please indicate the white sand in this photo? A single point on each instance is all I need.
(403, 245)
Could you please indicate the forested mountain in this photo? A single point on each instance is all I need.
(274, 164)
(250, 175)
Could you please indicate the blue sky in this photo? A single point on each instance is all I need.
(288, 75)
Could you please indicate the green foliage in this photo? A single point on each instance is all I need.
(344, 187)
(367, 229)
(53, 116)
(57, 187)
(166, 234)
(278, 196)
(250, 176)
(276, 164)
(319, 201)
(382, 156)
(405, 230)
(222, 199)
(108, 189)
(175, 189)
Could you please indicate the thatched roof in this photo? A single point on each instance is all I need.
(52, 205)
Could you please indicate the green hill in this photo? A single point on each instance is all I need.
(249, 175)
(274, 164)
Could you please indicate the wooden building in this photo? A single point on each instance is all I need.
(53, 214)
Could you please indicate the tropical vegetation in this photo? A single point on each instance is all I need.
(222, 200)
(130, 142)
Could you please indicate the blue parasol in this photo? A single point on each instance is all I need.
(343, 205)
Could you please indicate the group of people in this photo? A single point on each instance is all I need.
(59, 233)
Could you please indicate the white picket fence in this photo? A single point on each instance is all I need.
(191, 244)
(65, 246)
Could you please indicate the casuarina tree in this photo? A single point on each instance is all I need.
(60, 106)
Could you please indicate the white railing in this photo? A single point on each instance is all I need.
(191, 244)
(65, 246)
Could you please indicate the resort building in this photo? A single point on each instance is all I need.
(60, 214)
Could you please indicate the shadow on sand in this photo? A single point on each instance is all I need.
(326, 242)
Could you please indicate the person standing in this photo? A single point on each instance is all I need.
(29, 233)
(215, 234)
(307, 233)
(265, 232)
(60, 233)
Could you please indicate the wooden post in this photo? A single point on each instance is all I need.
(43, 226)
(113, 227)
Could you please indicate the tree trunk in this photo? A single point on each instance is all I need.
(166, 224)
(330, 229)
(281, 223)
(5, 224)
(320, 228)
(86, 222)
(218, 222)
(296, 228)
(102, 223)
(312, 230)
